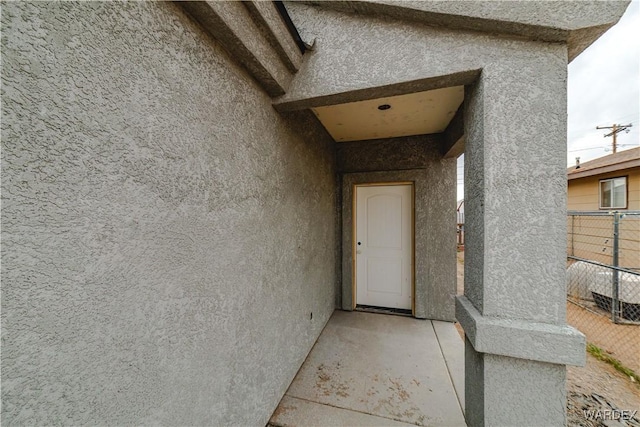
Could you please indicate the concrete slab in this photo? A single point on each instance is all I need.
(452, 347)
(297, 412)
(390, 367)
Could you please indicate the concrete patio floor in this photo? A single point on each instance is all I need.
(378, 370)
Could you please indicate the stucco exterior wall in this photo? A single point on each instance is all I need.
(359, 57)
(515, 111)
(416, 159)
(584, 193)
(168, 238)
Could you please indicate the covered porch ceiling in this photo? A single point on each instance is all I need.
(418, 113)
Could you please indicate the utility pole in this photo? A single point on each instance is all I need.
(614, 132)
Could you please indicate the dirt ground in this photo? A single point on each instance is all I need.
(599, 386)
(596, 386)
(620, 341)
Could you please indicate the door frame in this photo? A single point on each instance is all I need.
(354, 229)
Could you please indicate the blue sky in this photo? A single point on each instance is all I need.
(603, 89)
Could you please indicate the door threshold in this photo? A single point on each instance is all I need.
(384, 310)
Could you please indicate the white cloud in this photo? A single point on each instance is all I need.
(603, 87)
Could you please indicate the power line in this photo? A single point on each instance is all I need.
(615, 129)
(585, 149)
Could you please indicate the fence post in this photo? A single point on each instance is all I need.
(615, 303)
(573, 233)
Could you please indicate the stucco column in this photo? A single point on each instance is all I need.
(514, 309)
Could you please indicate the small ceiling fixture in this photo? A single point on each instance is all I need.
(384, 107)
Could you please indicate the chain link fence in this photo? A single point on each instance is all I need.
(603, 281)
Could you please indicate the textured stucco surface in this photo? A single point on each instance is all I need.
(515, 183)
(368, 56)
(452, 144)
(366, 51)
(515, 206)
(478, 14)
(543, 342)
(166, 234)
(275, 30)
(245, 38)
(417, 159)
(515, 189)
(576, 23)
(502, 391)
(413, 152)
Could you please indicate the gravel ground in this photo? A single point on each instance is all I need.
(596, 386)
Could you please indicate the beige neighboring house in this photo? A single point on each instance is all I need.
(609, 183)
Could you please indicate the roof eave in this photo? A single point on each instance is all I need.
(629, 164)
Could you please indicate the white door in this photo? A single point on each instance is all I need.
(384, 245)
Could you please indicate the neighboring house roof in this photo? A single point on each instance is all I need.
(613, 162)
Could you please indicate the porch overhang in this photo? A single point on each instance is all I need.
(578, 24)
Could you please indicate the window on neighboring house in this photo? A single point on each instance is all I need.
(613, 193)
